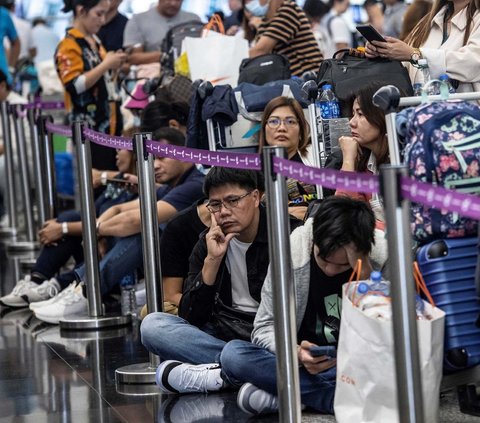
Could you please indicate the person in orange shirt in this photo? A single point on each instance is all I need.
(87, 72)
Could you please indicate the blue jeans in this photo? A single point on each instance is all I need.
(173, 338)
(124, 258)
(244, 362)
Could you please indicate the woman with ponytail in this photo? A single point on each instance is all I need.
(87, 72)
(448, 38)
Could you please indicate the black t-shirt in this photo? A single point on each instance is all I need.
(111, 34)
(321, 322)
(177, 242)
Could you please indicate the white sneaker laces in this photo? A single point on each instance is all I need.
(195, 378)
(22, 285)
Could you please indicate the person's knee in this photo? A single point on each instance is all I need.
(154, 325)
(232, 358)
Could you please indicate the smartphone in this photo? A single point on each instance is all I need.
(370, 33)
(328, 350)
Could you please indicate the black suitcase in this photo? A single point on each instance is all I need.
(448, 267)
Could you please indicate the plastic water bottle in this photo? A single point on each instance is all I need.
(128, 298)
(327, 103)
(417, 89)
(444, 78)
(432, 89)
(378, 284)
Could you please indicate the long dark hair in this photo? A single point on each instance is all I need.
(375, 117)
(420, 33)
(71, 5)
(274, 104)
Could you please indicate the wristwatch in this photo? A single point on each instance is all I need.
(103, 178)
(415, 56)
(64, 228)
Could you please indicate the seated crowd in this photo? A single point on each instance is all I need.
(216, 330)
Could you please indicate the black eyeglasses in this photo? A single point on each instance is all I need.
(229, 203)
(289, 122)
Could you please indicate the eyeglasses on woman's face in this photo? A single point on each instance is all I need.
(289, 122)
(229, 203)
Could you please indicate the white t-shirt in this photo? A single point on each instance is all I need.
(237, 267)
(338, 28)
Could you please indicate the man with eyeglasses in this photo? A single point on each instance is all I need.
(222, 292)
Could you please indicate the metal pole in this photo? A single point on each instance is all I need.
(95, 318)
(37, 168)
(288, 383)
(144, 373)
(30, 242)
(397, 209)
(11, 230)
(414, 101)
(48, 168)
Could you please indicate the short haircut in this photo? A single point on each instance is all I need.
(170, 135)
(341, 220)
(315, 9)
(157, 114)
(219, 176)
(297, 111)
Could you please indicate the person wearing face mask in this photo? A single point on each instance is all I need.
(284, 29)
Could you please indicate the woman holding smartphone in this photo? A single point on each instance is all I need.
(448, 38)
(86, 71)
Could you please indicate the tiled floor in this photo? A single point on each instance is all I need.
(52, 376)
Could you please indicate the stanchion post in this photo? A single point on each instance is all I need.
(288, 384)
(408, 374)
(48, 167)
(9, 170)
(89, 233)
(96, 318)
(144, 373)
(24, 173)
(37, 167)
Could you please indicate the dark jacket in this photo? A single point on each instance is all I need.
(198, 299)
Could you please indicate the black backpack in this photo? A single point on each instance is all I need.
(172, 43)
(265, 68)
(349, 72)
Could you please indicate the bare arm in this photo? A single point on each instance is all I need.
(139, 57)
(119, 208)
(113, 60)
(264, 45)
(14, 53)
(172, 289)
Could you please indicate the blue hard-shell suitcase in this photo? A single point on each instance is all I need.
(448, 267)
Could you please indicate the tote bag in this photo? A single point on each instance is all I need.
(366, 390)
(215, 57)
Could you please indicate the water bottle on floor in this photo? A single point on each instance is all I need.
(128, 297)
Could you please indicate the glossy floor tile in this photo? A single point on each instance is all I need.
(48, 375)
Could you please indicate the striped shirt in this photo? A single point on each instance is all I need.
(295, 39)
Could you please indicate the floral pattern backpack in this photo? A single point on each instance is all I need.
(443, 148)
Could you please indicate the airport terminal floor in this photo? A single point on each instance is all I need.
(52, 376)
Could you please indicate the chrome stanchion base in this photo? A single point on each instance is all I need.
(6, 232)
(85, 322)
(136, 374)
(138, 390)
(21, 246)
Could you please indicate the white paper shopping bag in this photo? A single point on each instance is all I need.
(366, 390)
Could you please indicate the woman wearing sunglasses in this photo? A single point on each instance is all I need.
(284, 125)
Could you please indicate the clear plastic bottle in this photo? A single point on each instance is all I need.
(128, 296)
(417, 89)
(375, 285)
(327, 103)
(444, 78)
(432, 89)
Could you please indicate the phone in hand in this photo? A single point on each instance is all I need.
(370, 33)
(118, 181)
(328, 350)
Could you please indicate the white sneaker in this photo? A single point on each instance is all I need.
(253, 400)
(18, 298)
(45, 291)
(71, 303)
(174, 377)
(40, 304)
